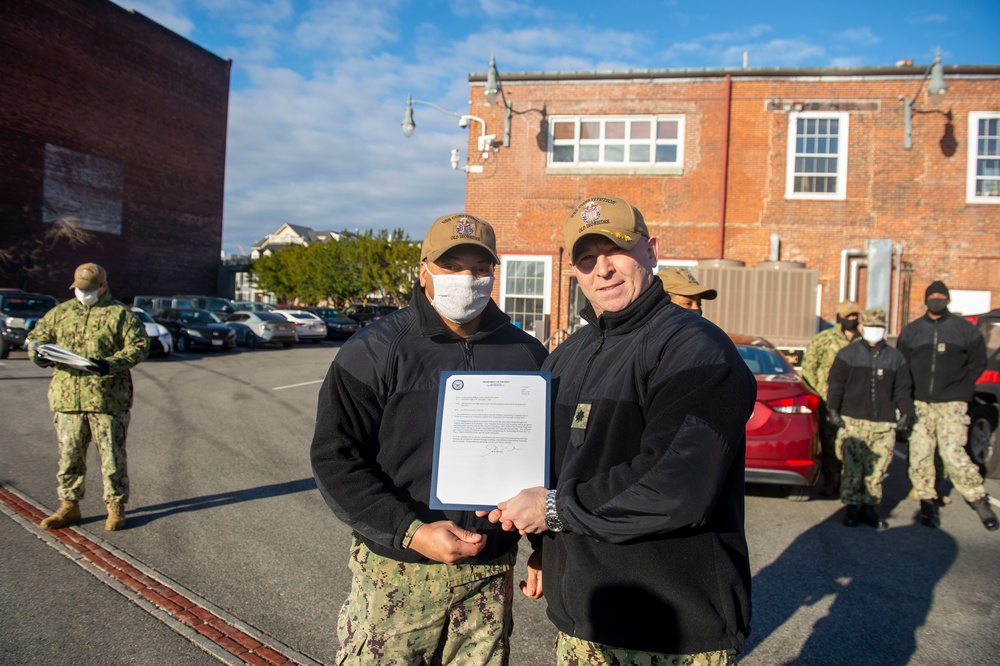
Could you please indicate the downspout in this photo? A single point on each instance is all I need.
(725, 169)
(559, 272)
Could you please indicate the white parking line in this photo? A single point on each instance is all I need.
(279, 388)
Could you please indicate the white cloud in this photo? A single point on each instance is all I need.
(927, 18)
(862, 36)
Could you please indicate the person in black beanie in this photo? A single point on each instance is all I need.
(946, 354)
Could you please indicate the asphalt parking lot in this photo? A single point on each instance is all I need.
(224, 508)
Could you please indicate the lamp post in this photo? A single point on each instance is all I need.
(493, 92)
(485, 141)
(935, 93)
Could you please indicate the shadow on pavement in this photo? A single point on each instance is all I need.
(146, 514)
(882, 584)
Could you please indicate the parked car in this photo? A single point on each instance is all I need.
(783, 445)
(983, 444)
(161, 342)
(253, 306)
(260, 328)
(192, 328)
(19, 312)
(184, 302)
(308, 325)
(366, 314)
(338, 326)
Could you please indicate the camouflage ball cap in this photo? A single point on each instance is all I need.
(611, 217)
(458, 229)
(873, 318)
(679, 281)
(89, 277)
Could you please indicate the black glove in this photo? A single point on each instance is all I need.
(833, 416)
(41, 361)
(102, 367)
(904, 423)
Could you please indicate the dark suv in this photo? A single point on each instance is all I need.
(984, 412)
(366, 314)
(19, 312)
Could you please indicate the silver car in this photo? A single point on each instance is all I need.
(308, 325)
(259, 328)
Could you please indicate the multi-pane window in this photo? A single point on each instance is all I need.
(616, 141)
(817, 156)
(983, 180)
(524, 293)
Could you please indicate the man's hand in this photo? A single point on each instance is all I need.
(102, 367)
(532, 588)
(833, 416)
(904, 424)
(525, 512)
(446, 542)
(41, 361)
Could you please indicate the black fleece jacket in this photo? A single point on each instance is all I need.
(373, 448)
(946, 357)
(870, 383)
(649, 443)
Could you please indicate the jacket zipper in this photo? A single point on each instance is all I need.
(930, 389)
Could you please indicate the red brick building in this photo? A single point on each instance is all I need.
(113, 124)
(749, 165)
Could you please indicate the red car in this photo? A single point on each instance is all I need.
(783, 433)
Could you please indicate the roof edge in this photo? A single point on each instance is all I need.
(906, 71)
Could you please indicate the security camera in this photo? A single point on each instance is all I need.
(455, 157)
(463, 121)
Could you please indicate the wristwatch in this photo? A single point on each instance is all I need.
(551, 515)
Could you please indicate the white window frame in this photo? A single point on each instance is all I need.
(547, 289)
(843, 136)
(649, 166)
(973, 157)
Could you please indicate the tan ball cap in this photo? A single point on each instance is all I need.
(89, 277)
(458, 229)
(679, 281)
(611, 217)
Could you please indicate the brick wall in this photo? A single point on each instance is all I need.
(914, 197)
(98, 82)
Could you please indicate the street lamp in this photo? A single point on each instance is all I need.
(935, 93)
(494, 93)
(485, 141)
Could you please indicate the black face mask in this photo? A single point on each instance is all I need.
(849, 324)
(937, 305)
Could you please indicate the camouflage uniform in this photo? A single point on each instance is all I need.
(866, 449)
(943, 425)
(395, 611)
(572, 651)
(88, 406)
(816, 371)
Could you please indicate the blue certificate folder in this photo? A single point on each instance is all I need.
(491, 438)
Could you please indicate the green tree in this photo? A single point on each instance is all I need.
(380, 265)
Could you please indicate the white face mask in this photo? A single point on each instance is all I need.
(460, 298)
(873, 334)
(87, 297)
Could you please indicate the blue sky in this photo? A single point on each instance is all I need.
(319, 87)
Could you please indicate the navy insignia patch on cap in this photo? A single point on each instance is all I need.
(591, 213)
(465, 228)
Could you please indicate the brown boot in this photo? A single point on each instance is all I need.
(116, 517)
(67, 514)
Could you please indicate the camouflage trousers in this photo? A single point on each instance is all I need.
(944, 427)
(866, 450)
(75, 431)
(572, 651)
(426, 614)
